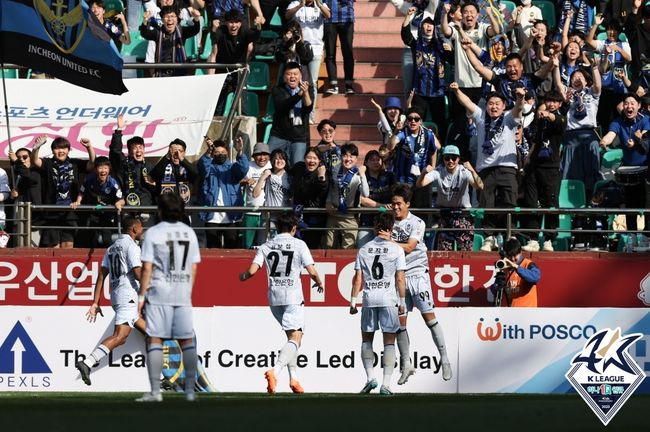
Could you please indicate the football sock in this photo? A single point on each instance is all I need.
(189, 361)
(388, 363)
(154, 366)
(99, 353)
(293, 367)
(438, 339)
(287, 352)
(403, 346)
(368, 358)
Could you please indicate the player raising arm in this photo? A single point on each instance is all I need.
(285, 256)
(379, 268)
(170, 257)
(121, 264)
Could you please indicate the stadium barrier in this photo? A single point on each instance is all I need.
(491, 350)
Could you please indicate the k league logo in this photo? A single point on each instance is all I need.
(604, 373)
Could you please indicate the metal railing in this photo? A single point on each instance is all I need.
(23, 220)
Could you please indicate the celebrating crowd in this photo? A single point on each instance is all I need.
(495, 97)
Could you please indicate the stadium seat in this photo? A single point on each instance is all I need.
(562, 241)
(10, 73)
(478, 242)
(267, 133)
(270, 110)
(276, 21)
(191, 48)
(228, 106)
(431, 125)
(509, 5)
(572, 194)
(612, 158)
(112, 8)
(251, 104)
(259, 76)
(137, 47)
(548, 12)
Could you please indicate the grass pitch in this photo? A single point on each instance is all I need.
(117, 412)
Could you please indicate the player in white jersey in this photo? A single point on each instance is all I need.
(408, 232)
(379, 269)
(285, 256)
(121, 264)
(170, 257)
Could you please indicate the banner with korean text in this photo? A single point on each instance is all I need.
(157, 109)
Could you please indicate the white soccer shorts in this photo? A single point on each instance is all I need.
(290, 317)
(169, 322)
(418, 293)
(372, 318)
(126, 313)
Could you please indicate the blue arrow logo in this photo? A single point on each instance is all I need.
(19, 355)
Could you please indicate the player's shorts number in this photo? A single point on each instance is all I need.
(377, 268)
(275, 261)
(424, 296)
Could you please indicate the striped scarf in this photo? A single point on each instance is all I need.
(178, 49)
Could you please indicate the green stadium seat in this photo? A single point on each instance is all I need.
(267, 133)
(251, 104)
(137, 47)
(563, 239)
(612, 158)
(112, 8)
(509, 5)
(10, 73)
(478, 242)
(191, 48)
(276, 21)
(259, 76)
(228, 106)
(431, 125)
(572, 194)
(270, 110)
(548, 12)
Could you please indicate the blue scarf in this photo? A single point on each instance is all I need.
(62, 176)
(295, 114)
(343, 181)
(490, 133)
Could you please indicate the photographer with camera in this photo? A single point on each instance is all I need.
(515, 283)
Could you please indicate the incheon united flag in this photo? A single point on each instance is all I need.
(60, 38)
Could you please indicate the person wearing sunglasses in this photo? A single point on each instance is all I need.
(27, 187)
(453, 180)
(496, 160)
(414, 147)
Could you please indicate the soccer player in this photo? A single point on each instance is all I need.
(122, 265)
(285, 257)
(170, 257)
(408, 232)
(379, 268)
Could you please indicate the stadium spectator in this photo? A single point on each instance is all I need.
(497, 153)
(423, 9)
(380, 291)
(285, 293)
(260, 163)
(328, 150)
(414, 147)
(220, 180)
(391, 117)
(231, 43)
(28, 188)
(380, 183)
(340, 25)
(311, 15)
(631, 128)
(452, 181)
(310, 181)
(518, 279)
(5, 193)
(293, 104)
(116, 27)
(99, 189)
(347, 183)
(579, 13)
(173, 173)
(542, 175)
(580, 154)
(131, 171)
(429, 70)
(219, 9)
(573, 58)
(292, 48)
(637, 29)
(276, 184)
(614, 56)
(526, 15)
(170, 39)
(60, 177)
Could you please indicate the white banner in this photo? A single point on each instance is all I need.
(491, 350)
(157, 109)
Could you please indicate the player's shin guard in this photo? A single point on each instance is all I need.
(98, 353)
(403, 344)
(154, 366)
(293, 367)
(368, 358)
(287, 352)
(438, 339)
(388, 364)
(190, 361)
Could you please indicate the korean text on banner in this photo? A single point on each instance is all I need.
(157, 109)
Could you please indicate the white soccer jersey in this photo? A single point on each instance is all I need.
(379, 260)
(172, 248)
(120, 259)
(285, 257)
(412, 227)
